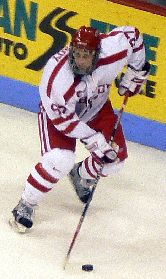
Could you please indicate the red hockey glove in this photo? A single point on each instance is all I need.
(100, 148)
(133, 80)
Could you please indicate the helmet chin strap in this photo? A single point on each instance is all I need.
(81, 72)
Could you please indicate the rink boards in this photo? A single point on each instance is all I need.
(32, 31)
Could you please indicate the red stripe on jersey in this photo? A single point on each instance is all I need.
(138, 48)
(37, 185)
(137, 33)
(70, 128)
(44, 174)
(54, 73)
(103, 175)
(112, 58)
(60, 120)
(113, 33)
(71, 90)
(87, 168)
(93, 164)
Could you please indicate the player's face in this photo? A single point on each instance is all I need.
(83, 58)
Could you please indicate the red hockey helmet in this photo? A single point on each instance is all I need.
(87, 38)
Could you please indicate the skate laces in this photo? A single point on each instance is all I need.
(86, 183)
(25, 210)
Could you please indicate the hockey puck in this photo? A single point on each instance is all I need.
(87, 267)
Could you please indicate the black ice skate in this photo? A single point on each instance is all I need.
(83, 187)
(22, 217)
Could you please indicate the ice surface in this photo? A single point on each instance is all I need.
(123, 234)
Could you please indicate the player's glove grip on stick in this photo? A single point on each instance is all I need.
(133, 80)
(100, 148)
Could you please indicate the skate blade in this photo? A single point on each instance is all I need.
(17, 227)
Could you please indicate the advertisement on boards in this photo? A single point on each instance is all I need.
(32, 31)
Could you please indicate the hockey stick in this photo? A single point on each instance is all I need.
(80, 223)
(119, 116)
(94, 186)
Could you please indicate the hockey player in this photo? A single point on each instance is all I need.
(75, 104)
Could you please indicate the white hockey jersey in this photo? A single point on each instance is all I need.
(70, 101)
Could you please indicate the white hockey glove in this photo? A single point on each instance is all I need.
(133, 80)
(100, 148)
